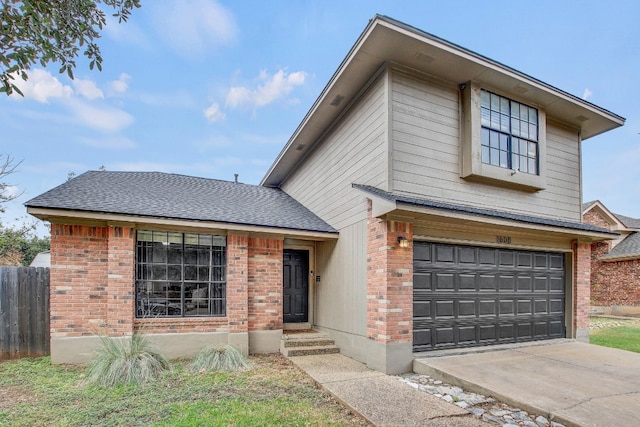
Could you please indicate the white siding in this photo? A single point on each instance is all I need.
(341, 295)
(425, 161)
(355, 151)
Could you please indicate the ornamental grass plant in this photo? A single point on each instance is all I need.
(126, 361)
(220, 358)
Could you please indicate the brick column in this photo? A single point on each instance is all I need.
(390, 293)
(581, 289)
(265, 284)
(121, 280)
(237, 283)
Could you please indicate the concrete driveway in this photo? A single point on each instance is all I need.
(572, 383)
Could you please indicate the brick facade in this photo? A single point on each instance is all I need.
(613, 283)
(92, 285)
(581, 284)
(265, 284)
(389, 281)
(79, 279)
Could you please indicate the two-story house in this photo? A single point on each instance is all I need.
(430, 199)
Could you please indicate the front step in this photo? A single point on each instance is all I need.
(306, 344)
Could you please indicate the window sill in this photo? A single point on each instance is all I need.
(495, 175)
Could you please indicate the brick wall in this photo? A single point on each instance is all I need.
(612, 283)
(595, 218)
(389, 281)
(79, 256)
(581, 281)
(265, 284)
(238, 283)
(92, 285)
(120, 274)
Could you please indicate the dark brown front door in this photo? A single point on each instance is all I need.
(296, 286)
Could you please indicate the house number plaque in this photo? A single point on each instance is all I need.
(503, 239)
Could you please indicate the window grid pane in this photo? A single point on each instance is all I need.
(509, 136)
(180, 275)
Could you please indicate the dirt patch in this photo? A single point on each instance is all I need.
(12, 395)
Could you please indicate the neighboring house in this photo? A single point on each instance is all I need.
(42, 259)
(615, 264)
(430, 199)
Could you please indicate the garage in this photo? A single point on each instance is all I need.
(466, 296)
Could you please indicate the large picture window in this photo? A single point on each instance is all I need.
(180, 274)
(509, 133)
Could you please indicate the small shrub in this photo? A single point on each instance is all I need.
(126, 361)
(222, 358)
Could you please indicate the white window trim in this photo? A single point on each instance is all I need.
(472, 168)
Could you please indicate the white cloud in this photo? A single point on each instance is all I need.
(103, 117)
(121, 85)
(586, 94)
(270, 89)
(110, 142)
(88, 89)
(191, 27)
(10, 191)
(42, 86)
(213, 113)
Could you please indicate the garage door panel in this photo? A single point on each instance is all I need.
(524, 307)
(422, 281)
(507, 283)
(487, 308)
(444, 308)
(467, 255)
(556, 284)
(444, 281)
(556, 306)
(467, 296)
(556, 262)
(525, 283)
(422, 308)
(467, 282)
(487, 282)
(444, 254)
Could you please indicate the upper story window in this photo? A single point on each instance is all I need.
(509, 133)
(503, 140)
(180, 274)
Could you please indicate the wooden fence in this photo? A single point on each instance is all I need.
(24, 312)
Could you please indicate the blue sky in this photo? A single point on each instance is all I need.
(213, 88)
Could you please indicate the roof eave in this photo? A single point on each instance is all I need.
(102, 218)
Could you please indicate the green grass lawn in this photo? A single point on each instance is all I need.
(625, 336)
(274, 392)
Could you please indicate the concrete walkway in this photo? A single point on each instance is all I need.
(381, 399)
(569, 382)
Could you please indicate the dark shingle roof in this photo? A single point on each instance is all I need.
(629, 247)
(628, 221)
(490, 213)
(163, 195)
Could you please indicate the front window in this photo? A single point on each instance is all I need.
(180, 274)
(509, 133)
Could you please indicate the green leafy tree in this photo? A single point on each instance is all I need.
(20, 245)
(44, 31)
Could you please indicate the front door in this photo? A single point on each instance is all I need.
(296, 286)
